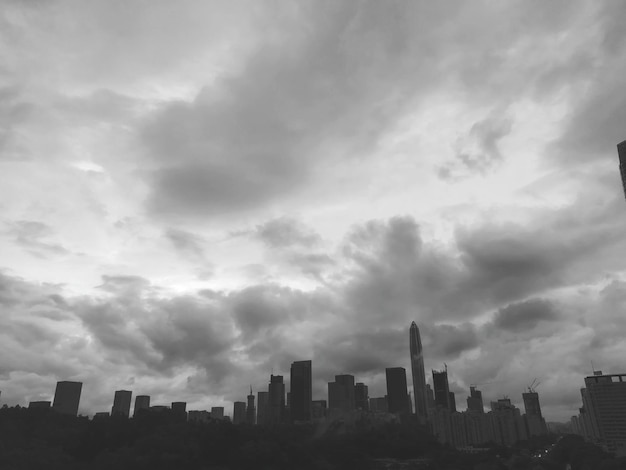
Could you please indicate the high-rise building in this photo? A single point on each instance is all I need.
(179, 410)
(121, 403)
(67, 397)
(217, 412)
(441, 388)
(262, 411)
(318, 409)
(621, 151)
(452, 401)
(507, 423)
(534, 420)
(239, 412)
(475, 401)
(39, 405)
(250, 409)
(604, 399)
(142, 402)
(341, 393)
(301, 391)
(419, 376)
(430, 397)
(397, 393)
(379, 405)
(361, 397)
(276, 400)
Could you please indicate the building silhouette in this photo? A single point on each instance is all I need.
(179, 410)
(621, 151)
(361, 397)
(217, 412)
(142, 402)
(239, 412)
(121, 403)
(604, 405)
(198, 416)
(67, 397)
(441, 388)
(262, 410)
(318, 409)
(379, 405)
(250, 409)
(534, 420)
(39, 405)
(452, 401)
(341, 393)
(301, 384)
(397, 393)
(475, 401)
(419, 376)
(276, 400)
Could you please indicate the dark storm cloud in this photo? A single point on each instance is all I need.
(34, 236)
(525, 315)
(596, 124)
(361, 351)
(285, 232)
(14, 110)
(449, 341)
(257, 135)
(479, 150)
(188, 244)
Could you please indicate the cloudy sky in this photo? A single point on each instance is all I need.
(194, 194)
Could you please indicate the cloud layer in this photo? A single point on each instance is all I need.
(194, 195)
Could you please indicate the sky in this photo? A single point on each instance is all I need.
(194, 194)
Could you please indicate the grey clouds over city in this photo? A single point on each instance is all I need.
(195, 194)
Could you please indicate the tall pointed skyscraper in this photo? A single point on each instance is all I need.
(621, 151)
(419, 376)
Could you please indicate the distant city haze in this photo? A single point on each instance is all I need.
(198, 197)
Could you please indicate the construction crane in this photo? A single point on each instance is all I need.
(532, 387)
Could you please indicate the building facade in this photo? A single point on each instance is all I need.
(341, 394)
(397, 392)
(142, 402)
(67, 397)
(239, 412)
(121, 403)
(419, 376)
(621, 151)
(276, 400)
(301, 390)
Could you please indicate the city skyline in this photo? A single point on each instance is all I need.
(195, 195)
(293, 401)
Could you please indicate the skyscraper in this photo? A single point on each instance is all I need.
(67, 397)
(262, 408)
(276, 400)
(621, 151)
(604, 398)
(301, 391)
(142, 402)
(397, 393)
(121, 403)
(442, 389)
(217, 412)
(534, 419)
(452, 401)
(239, 412)
(361, 397)
(341, 393)
(419, 376)
(250, 409)
(475, 401)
